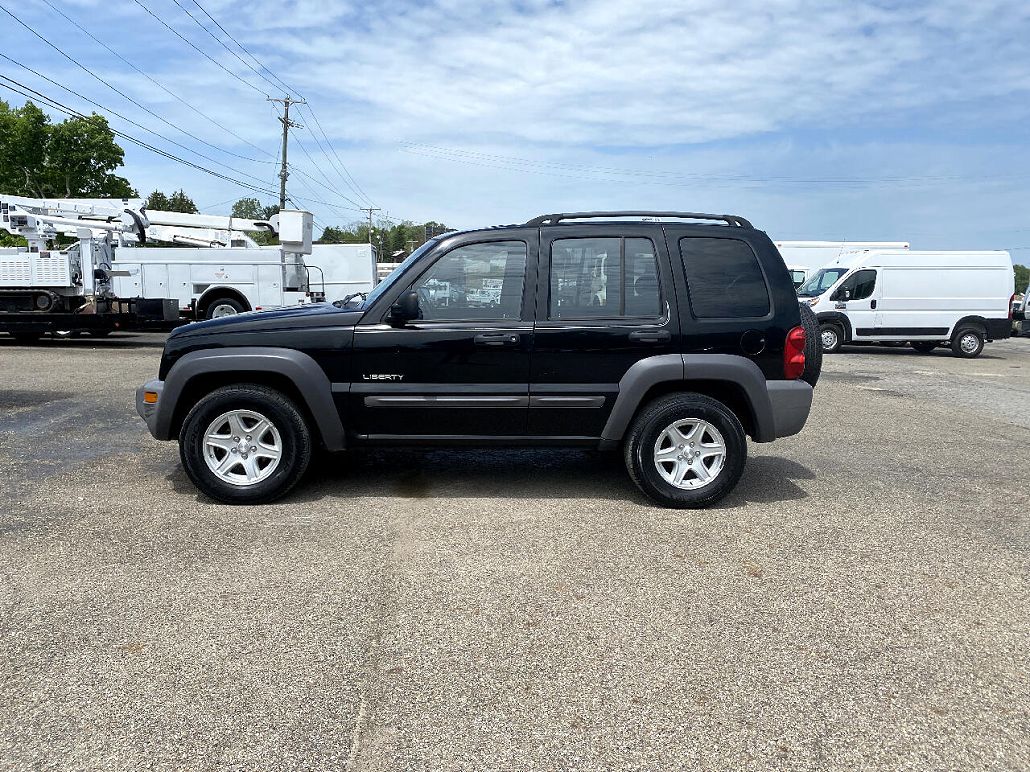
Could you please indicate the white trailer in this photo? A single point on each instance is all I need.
(339, 270)
(804, 257)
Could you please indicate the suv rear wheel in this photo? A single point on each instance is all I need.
(245, 444)
(686, 450)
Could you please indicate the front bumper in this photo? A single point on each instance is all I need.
(791, 402)
(148, 410)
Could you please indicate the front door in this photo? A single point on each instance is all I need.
(604, 303)
(462, 369)
(856, 296)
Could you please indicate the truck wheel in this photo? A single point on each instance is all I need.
(813, 345)
(685, 451)
(245, 444)
(968, 343)
(224, 307)
(923, 346)
(831, 336)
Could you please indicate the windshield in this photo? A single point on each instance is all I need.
(824, 279)
(377, 291)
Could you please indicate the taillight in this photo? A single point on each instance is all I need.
(794, 354)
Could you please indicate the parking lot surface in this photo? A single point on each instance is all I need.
(860, 601)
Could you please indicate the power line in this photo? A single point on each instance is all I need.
(192, 45)
(345, 175)
(128, 120)
(246, 51)
(168, 91)
(120, 93)
(222, 43)
(29, 93)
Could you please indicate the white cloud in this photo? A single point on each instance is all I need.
(729, 96)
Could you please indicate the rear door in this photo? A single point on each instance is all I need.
(604, 301)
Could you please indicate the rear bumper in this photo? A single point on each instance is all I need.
(148, 411)
(790, 403)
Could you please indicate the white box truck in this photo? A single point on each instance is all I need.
(926, 299)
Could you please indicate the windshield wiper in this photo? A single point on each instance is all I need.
(349, 298)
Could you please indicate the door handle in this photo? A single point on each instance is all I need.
(872, 304)
(496, 339)
(650, 336)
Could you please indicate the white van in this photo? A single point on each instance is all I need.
(926, 299)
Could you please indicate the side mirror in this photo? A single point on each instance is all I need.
(847, 294)
(405, 309)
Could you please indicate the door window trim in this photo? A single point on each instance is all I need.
(607, 320)
(419, 323)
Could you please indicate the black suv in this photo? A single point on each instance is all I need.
(672, 337)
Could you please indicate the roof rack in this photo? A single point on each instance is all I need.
(554, 219)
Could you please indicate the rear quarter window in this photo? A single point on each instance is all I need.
(724, 279)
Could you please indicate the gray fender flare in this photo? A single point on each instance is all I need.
(309, 379)
(646, 373)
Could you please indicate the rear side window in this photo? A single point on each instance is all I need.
(724, 279)
(604, 278)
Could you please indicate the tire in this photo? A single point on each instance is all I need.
(962, 343)
(813, 345)
(65, 334)
(289, 432)
(923, 346)
(27, 338)
(223, 307)
(648, 435)
(831, 336)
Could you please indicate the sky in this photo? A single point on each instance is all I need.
(863, 120)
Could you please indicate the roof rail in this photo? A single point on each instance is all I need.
(554, 219)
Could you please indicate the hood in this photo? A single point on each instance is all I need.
(313, 315)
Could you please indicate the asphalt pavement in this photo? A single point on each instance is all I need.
(860, 601)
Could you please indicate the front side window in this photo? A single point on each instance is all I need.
(477, 281)
(604, 278)
(724, 279)
(858, 286)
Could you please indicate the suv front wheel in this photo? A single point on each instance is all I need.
(686, 450)
(245, 444)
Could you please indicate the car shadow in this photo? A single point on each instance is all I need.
(507, 474)
(908, 351)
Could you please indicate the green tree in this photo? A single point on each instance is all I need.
(157, 201)
(71, 159)
(252, 209)
(1022, 278)
(388, 238)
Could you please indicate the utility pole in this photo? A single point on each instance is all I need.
(370, 210)
(284, 119)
